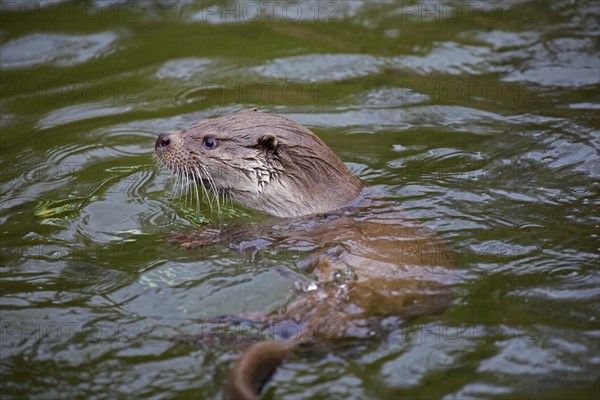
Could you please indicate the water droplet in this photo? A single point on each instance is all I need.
(309, 287)
(338, 277)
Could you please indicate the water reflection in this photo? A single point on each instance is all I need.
(477, 118)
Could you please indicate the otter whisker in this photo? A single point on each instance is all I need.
(234, 196)
(174, 182)
(156, 164)
(187, 187)
(196, 189)
(204, 190)
(213, 187)
(177, 183)
(201, 183)
(179, 193)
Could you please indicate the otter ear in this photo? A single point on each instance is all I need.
(267, 143)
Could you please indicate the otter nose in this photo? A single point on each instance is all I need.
(163, 141)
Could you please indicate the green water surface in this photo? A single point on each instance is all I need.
(479, 118)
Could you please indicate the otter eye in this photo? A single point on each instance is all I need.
(210, 142)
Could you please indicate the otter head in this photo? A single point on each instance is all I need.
(263, 161)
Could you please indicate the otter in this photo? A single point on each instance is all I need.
(263, 161)
(368, 262)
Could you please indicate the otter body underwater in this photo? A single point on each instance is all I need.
(368, 260)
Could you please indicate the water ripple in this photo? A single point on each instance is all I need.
(320, 67)
(52, 48)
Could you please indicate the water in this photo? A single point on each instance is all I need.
(479, 118)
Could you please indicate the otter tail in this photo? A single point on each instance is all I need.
(254, 369)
